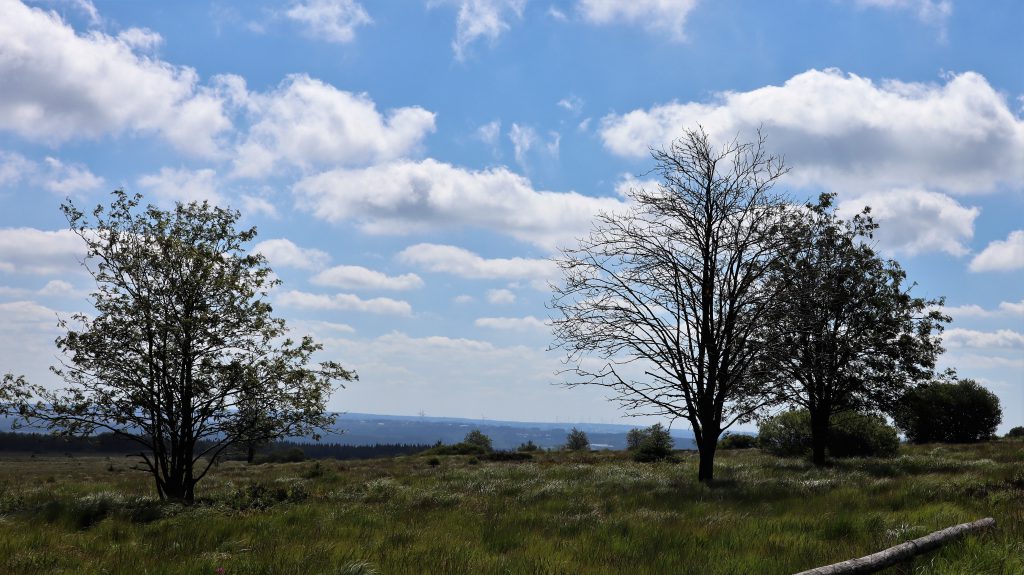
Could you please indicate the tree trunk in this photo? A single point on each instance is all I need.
(706, 449)
(819, 436)
(250, 453)
(181, 490)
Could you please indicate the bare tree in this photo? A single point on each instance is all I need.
(665, 303)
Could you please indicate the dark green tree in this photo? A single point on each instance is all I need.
(1015, 432)
(853, 434)
(181, 349)
(478, 439)
(665, 303)
(577, 440)
(852, 336)
(651, 444)
(949, 412)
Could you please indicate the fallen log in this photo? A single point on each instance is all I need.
(903, 551)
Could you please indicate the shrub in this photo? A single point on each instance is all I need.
(652, 444)
(1016, 432)
(577, 440)
(851, 434)
(862, 435)
(508, 456)
(528, 447)
(788, 434)
(737, 441)
(475, 443)
(956, 412)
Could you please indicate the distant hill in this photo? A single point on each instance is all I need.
(372, 429)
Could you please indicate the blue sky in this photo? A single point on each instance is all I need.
(412, 165)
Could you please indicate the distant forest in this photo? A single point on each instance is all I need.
(107, 443)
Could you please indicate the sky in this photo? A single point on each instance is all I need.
(413, 166)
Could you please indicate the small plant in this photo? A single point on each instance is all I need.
(434, 461)
(577, 440)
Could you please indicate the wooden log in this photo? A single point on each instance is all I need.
(903, 551)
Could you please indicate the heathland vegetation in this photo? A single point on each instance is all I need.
(712, 300)
(558, 512)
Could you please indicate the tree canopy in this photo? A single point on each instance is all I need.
(181, 348)
(851, 335)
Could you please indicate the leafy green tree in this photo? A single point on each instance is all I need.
(949, 412)
(852, 337)
(577, 440)
(181, 349)
(665, 303)
(477, 438)
(1015, 432)
(11, 390)
(651, 444)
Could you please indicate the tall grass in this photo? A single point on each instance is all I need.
(560, 513)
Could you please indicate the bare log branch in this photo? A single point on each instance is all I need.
(903, 551)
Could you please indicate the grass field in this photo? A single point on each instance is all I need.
(560, 513)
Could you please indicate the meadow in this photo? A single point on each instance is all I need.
(596, 513)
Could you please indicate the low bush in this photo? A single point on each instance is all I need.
(737, 441)
(475, 443)
(508, 456)
(851, 435)
(528, 447)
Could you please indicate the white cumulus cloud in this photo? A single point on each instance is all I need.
(360, 278)
(407, 196)
(661, 16)
(171, 185)
(1001, 255)
(282, 252)
(466, 264)
(32, 251)
(343, 302)
(914, 221)
(501, 296)
(306, 123)
(59, 86)
(528, 323)
(330, 20)
(1003, 338)
(846, 132)
(69, 179)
